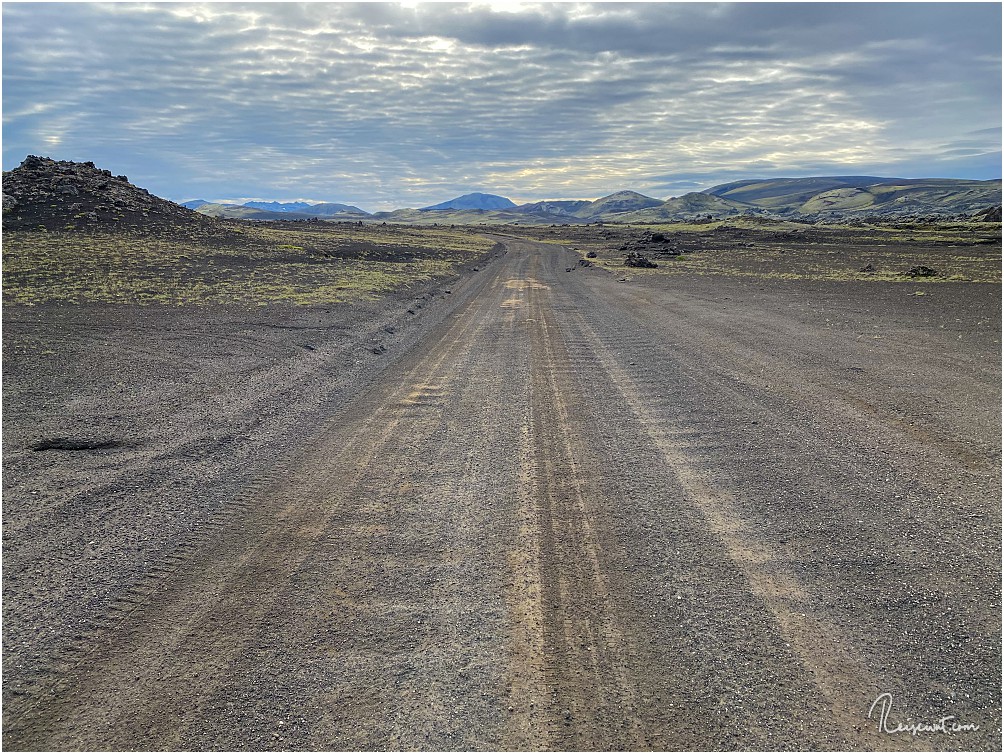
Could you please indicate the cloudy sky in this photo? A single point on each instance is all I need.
(394, 105)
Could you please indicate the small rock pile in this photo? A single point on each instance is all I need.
(48, 194)
(637, 260)
(653, 244)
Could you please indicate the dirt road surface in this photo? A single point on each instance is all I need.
(566, 512)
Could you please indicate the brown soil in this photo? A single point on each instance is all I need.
(552, 511)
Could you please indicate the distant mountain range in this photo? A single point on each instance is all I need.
(792, 198)
(42, 192)
(276, 210)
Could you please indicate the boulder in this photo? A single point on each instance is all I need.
(637, 260)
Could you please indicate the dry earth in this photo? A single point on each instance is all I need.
(556, 511)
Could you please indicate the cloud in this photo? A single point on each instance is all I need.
(401, 105)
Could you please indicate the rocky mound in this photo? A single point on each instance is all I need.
(63, 195)
(989, 215)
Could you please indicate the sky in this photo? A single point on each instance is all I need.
(403, 105)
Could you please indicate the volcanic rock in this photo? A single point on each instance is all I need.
(637, 260)
(63, 195)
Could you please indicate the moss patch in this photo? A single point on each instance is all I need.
(770, 249)
(252, 265)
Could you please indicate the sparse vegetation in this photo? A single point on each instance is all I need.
(251, 265)
(771, 249)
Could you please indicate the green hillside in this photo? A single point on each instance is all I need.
(235, 212)
(863, 195)
(785, 192)
(239, 212)
(812, 198)
(616, 204)
(688, 207)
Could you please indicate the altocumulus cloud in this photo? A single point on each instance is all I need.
(402, 105)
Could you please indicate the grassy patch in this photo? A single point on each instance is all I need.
(758, 248)
(250, 265)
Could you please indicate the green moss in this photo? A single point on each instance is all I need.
(77, 268)
(960, 252)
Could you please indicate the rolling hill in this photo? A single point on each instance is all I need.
(783, 192)
(327, 209)
(554, 208)
(452, 217)
(689, 207)
(260, 211)
(615, 204)
(279, 206)
(323, 209)
(47, 193)
(546, 212)
(862, 195)
(819, 197)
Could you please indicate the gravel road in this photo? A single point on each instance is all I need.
(559, 511)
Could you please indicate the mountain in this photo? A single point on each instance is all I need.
(811, 198)
(546, 212)
(782, 192)
(238, 212)
(279, 206)
(617, 203)
(42, 192)
(619, 206)
(328, 211)
(621, 201)
(64, 195)
(305, 209)
(473, 201)
(823, 197)
(584, 210)
(688, 207)
(862, 195)
(898, 197)
(453, 217)
(554, 208)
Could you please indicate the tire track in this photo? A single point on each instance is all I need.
(200, 616)
(515, 537)
(821, 646)
(593, 696)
